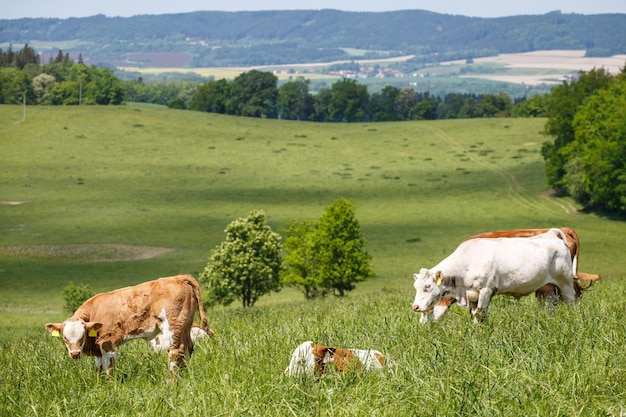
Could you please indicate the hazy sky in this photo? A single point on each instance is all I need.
(16, 9)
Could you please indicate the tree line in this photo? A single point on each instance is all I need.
(587, 157)
(60, 81)
(256, 94)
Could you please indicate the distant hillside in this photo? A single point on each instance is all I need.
(287, 37)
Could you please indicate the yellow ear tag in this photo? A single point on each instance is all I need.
(439, 280)
(93, 333)
(55, 333)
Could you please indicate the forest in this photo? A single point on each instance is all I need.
(286, 37)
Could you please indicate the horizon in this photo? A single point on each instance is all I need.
(64, 9)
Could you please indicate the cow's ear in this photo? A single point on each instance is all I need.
(422, 273)
(447, 281)
(92, 328)
(55, 329)
(439, 278)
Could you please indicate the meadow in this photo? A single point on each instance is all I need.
(114, 196)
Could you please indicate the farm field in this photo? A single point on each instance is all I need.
(529, 68)
(114, 196)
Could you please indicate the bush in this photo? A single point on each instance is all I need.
(75, 295)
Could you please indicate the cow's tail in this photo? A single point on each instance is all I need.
(204, 323)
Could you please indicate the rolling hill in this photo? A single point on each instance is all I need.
(209, 38)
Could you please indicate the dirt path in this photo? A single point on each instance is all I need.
(85, 253)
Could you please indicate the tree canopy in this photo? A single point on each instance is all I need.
(329, 255)
(246, 265)
(587, 158)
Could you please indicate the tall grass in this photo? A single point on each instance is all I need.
(523, 361)
(145, 176)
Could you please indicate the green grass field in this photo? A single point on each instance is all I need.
(81, 187)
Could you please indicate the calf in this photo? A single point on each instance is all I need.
(108, 320)
(312, 359)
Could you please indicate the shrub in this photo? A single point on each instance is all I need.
(75, 295)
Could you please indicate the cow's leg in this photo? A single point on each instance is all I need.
(99, 363)
(548, 295)
(479, 313)
(109, 358)
(178, 353)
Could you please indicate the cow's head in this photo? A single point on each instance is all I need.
(75, 334)
(323, 355)
(430, 287)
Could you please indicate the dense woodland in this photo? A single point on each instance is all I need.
(285, 37)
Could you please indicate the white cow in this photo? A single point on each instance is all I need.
(480, 268)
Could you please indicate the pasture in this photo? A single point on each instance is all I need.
(114, 196)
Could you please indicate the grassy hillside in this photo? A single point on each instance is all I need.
(84, 190)
(146, 176)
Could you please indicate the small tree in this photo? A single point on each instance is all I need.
(246, 265)
(299, 265)
(339, 249)
(74, 296)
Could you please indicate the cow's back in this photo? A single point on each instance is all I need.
(142, 308)
(518, 263)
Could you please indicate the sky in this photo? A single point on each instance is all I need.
(17, 9)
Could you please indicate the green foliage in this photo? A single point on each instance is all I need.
(384, 106)
(246, 265)
(294, 101)
(74, 296)
(426, 108)
(338, 247)
(59, 82)
(299, 268)
(211, 97)
(348, 101)
(253, 94)
(534, 106)
(563, 103)
(596, 172)
(587, 158)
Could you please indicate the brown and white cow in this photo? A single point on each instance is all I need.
(105, 321)
(312, 359)
(547, 294)
(478, 269)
